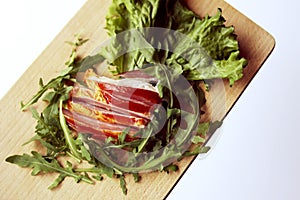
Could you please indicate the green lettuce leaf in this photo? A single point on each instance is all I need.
(219, 42)
(125, 15)
(219, 56)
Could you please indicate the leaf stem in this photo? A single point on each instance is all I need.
(73, 156)
(91, 170)
(69, 140)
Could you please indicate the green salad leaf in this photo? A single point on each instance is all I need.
(40, 164)
(219, 57)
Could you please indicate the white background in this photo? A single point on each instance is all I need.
(257, 156)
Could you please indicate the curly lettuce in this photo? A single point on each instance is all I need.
(219, 56)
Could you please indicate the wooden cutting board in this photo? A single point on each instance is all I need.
(17, 127)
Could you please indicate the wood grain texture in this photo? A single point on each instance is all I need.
(16, 127)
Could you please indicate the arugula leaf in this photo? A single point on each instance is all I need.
(123, 184)
(197, 139)
(203, 131)
(84, 152)
(39, 164)
(171, 168)
(136, 177)
(57, 84)
(54, 83)
(48, 133)
(122, 136)
(57, 181)
(196, 151)
(98, 169)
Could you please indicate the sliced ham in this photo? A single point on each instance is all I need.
(96, 128)
(107, 107)
(110, 102)
(105, 115)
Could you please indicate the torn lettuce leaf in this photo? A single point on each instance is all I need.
(219, 56)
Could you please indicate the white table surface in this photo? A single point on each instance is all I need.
(257, 156)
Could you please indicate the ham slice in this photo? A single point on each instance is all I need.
(96, 128)
(105, 115)
(105, 107)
